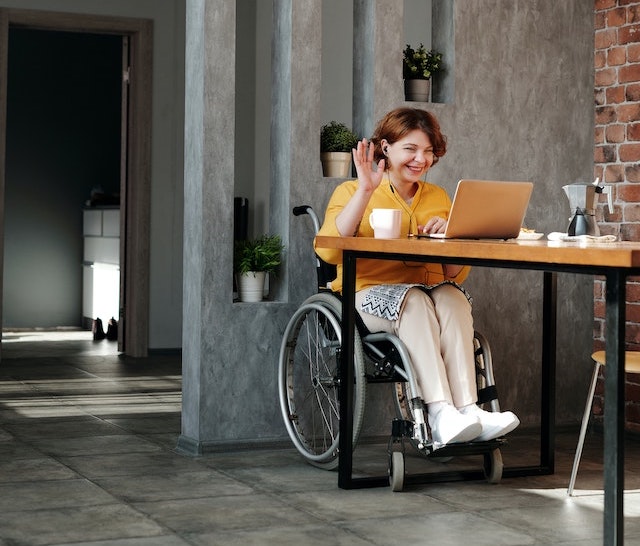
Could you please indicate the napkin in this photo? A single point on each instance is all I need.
(557, 236)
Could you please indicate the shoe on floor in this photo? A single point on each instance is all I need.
(98, 331)
(494, 424)
(112, 330)
(449, 426)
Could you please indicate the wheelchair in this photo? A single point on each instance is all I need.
(308, 381)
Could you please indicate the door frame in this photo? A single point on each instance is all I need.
(134, 295)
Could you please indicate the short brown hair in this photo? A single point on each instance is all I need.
(397, 123)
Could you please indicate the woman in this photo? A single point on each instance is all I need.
(423, 304)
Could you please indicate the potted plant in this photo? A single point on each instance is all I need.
(418, 65)
(252, 260)
(336, 143)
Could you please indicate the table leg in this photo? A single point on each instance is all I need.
(614, 409)
(345, 392)
(548, 380)
(547, 384)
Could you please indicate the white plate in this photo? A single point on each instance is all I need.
(528, 235)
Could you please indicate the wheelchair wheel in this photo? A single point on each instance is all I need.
(396, 471)
(308, 380)
(493, 466)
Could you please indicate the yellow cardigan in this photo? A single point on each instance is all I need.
(430, 200)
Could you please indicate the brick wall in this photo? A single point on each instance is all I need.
(617, 162)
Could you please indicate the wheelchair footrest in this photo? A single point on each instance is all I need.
(467, 448)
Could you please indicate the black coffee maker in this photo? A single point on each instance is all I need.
(583, 198)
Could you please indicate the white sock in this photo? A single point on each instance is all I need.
(470, 409)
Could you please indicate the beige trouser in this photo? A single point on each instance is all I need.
(437, 329)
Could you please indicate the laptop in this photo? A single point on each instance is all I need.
(486, 209)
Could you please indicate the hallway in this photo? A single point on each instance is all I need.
(87, 457)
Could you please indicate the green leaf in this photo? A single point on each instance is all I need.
(337, 137)
(420, 64)
(261, 254)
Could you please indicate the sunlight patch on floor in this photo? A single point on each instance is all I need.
(12, 336)
(591, 498)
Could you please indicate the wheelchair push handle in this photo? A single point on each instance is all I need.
(325, 272)
(302, 209)
(307, 209)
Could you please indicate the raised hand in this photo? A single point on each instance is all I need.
(368, 178)
(349, 218)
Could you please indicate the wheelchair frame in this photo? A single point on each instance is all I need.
(308, 380)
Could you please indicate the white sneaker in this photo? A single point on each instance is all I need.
(449, 426)
(494, 424)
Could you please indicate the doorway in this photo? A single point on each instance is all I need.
(131, 182)
(64, 97)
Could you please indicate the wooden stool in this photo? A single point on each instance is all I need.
(631, 365)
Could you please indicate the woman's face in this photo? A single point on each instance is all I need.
(409, 157)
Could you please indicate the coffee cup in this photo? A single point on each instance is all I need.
(386, 223)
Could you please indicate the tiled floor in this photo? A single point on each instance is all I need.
(87, 458)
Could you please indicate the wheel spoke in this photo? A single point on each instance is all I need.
(317, 364)
(309, 380)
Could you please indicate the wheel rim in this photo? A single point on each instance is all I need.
(308, 380)
(311, 382)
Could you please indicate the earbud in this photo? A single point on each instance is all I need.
(385, 150)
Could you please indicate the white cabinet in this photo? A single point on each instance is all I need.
(104, 250)
(102, 236)
(101, 264)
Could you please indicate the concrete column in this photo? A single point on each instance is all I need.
(295, 134)
(378, 41)
(208, 197)
(230, 350)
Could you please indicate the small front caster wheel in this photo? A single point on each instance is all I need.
(396, 471)
(493, 466)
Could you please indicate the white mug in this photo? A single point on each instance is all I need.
(386, 223)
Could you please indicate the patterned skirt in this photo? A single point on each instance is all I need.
(385, 300)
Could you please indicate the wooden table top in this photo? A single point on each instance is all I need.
(625, 255)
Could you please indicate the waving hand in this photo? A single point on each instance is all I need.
(368, 178)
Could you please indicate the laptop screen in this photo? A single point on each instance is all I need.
(487, 209)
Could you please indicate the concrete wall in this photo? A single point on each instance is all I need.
(520, 107)
(523, 110)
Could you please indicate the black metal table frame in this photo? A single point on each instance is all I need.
(614, 378)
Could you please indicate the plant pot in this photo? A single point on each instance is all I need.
(251, 285)
(417, 90)
(336, 164)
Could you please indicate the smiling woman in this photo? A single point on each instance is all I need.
(423, 304)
